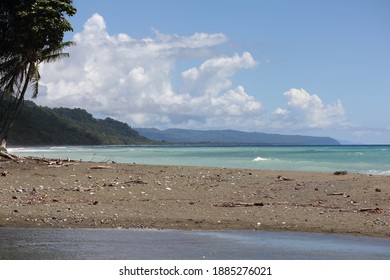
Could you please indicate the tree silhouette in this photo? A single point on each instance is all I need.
(31, 32)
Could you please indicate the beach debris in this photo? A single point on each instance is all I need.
(240, 204)
(84, 189)
(378, 190)
(343, 194)
(137, 181)
(4, 173)
(282, 178)
(343, 172)
(8, 156)
(381, 222)
(101, 167)
(371, 210)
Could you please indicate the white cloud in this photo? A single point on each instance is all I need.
(134, 80)
(214, 75)
(308, 111)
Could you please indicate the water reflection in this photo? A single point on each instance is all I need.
(112, 244)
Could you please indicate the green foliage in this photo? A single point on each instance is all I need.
(38, 125)
(31, 26)
(31, 32)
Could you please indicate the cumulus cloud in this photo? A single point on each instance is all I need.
(308, 111)
(132, 79)
(137, 81)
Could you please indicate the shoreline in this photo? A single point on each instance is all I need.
(38, 192)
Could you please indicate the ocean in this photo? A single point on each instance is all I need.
(25, 243)
(370, 159)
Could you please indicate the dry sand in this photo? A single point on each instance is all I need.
(45, 193)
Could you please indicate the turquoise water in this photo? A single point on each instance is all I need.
(356, 159)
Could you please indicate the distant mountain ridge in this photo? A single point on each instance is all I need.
(39, 125)
(231, 137)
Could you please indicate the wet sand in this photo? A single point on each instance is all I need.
(49, 193)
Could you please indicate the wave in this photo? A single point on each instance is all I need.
(261, 159)
(377, 172)
(26, 150)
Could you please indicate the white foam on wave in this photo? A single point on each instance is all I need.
(261, 159)
(26, 150)
(377, 172)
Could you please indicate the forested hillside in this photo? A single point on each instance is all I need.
(38, 125)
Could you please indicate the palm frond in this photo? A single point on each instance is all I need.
(54, 57)
(34, 79)
(55, 54)
(13, 72)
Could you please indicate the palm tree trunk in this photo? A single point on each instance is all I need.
(15, 110)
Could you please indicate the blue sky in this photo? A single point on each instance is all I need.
(292, 67)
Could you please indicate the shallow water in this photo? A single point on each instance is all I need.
(357, 159)
(132, 244)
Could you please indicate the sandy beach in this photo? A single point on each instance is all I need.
(50, 193)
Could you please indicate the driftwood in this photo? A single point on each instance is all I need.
(137, 181)
(53, 162)
(344, 172)
(282, 178)
(371, 210)
(8, 156)
(240, 204)
(101, 167)
(344, 194)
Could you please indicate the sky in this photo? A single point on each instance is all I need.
(319, 68)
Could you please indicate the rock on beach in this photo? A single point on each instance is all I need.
(55, 193)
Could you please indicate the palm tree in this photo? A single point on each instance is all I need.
(31, 33)
(17, 74)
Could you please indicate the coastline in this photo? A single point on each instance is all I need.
(53, 193)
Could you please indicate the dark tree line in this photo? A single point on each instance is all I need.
(31, 32)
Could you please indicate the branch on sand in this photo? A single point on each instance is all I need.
(5, 155)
